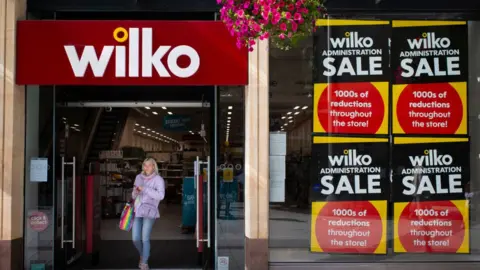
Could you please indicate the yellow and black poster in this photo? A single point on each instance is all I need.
(429, 184)
(351, 90)
(350, 187)
(429, 77)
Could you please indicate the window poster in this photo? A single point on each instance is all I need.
(429, 77)
(350, 188)
(351, 90)
(431, 212)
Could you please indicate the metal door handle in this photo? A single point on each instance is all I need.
(197, 190)
(74, 225)
(74, 190)
(63, 202)
(208, 202)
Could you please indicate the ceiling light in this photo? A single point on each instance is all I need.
(290, 117)
(155, 113)
(170, 113)
(297, 113)
(136, 124)
(143, 126)
(291, 121)
(75, 125)
(164, 108)
(288, 113)
(230, 107)
(148, 108)
(148, 129)
(64, 118)
(229, 117)
(286, 124)
(304, 107)
(134, 130)
(296, 107)
(229, 112)
(228, 121)
(144, 133)
(283, 117)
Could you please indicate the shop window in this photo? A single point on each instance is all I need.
(393, 189)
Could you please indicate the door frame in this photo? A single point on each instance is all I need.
(207, 258)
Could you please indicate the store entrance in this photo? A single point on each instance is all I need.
(101, 140)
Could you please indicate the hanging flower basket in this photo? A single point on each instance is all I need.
(285, 22)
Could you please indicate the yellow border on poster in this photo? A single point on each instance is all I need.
(460, 87)
(426, 23)
(320, 140)
(462, 207)
(419, 140)
(340, 22)
(381, 207)
(383, 89)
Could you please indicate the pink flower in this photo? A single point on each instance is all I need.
(288, 15)
(219, 1)
(297, 16)
(294, 26)
(256, 27)
(291, 7)
(265, 15)
(246, 4)
(276, 18)
(240, 13)
(283, 26)
(281, 36)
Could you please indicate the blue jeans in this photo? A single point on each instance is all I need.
(142, 227)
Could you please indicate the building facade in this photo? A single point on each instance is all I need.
(270, 223)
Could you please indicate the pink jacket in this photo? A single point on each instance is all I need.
(152, 193)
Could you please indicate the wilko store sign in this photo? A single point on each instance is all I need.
(128, 53)
(150, 58)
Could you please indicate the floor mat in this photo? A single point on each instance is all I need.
(122, 254)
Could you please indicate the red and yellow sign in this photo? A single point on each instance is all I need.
(432, 227)
(432, 108)
(349, 227)
(351, 108)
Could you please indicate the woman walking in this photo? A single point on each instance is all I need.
(149, 188)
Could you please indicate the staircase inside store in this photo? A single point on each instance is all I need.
(107, 133)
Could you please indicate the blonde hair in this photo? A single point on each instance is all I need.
(154, 163)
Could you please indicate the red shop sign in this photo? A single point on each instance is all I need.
(128, 53)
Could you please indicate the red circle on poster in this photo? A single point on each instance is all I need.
(434, 108)
(349, 227)
(356, 108)
(435, 226)
(38, 221)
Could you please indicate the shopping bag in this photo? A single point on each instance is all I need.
(127, 217)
